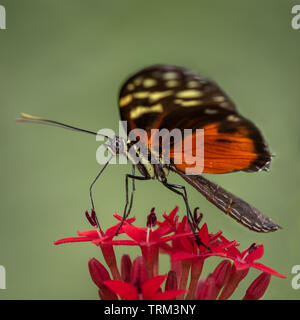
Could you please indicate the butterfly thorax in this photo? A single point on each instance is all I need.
(148, 163)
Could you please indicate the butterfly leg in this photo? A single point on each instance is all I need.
(190, 218)
(174, 188)
(127, 212)
(91, 190)
(132, 192)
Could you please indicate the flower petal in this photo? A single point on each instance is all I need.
(136, 233)
(203, 234)
(89, 233)
(266, 269)
(72, 239)
(151, 286)
(122, 289)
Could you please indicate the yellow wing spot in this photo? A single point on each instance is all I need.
(193, 84)
(138, 81)
(141, 110)
(130, 86)
(189, 94)
(141, 94)
(125, 100)
(157, 95)
(219, 98)
(170, 75)
(172, 83)
(188, 103)
(149, 82)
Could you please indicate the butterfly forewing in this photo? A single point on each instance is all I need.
(173, 97)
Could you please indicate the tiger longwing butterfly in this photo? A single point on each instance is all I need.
(169, 97)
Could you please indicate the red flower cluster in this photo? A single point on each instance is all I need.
(140, 279)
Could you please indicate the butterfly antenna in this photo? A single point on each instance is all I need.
(29, 118)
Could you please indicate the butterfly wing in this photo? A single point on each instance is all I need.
(230, 204)
(172, 97)
(168, 97)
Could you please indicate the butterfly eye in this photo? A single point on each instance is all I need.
(117, 145)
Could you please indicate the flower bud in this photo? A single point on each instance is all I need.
(221, 274)
(258, 287)
(106, 294)
(98, 272)
(138, 274)
(207, 289)
(171, 282)
(236, 276)
(125, 267)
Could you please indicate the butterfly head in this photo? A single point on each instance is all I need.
(117, 145)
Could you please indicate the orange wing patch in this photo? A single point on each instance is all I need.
(223, 152)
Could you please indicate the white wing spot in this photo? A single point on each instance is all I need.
(210, 111)
(170, 75)
(233, 118)
(225, 105)
(219, 98)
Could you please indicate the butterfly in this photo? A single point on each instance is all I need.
(171, 97)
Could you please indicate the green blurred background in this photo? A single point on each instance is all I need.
(66, 60)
